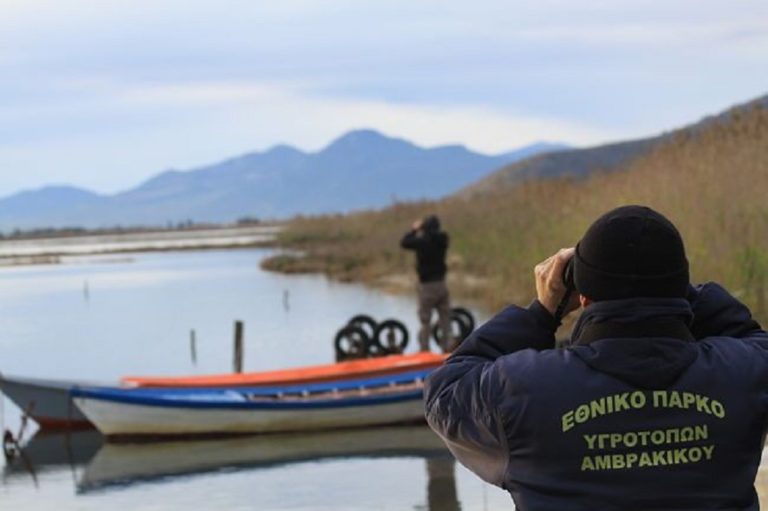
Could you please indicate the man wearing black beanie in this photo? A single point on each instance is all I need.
(658, 402)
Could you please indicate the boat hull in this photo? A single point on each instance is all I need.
(46, 401)
(115, 419)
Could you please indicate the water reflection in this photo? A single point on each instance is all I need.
(125, 463)
(101, 468)
(46, 451)
(441, 484)
(107, 470)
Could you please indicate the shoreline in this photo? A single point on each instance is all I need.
(464, 287)
(53, 250)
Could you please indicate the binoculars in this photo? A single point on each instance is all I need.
(568, 275)
(569, 288)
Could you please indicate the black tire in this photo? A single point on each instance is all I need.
(386, 339)
(368, 324)
(351, 342)
(10, 447)
(365, 322)
(459, 330)
(466, 316)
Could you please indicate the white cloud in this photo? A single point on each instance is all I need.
(653, 35)
(478, 126)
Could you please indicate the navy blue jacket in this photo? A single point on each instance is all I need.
(657, 404)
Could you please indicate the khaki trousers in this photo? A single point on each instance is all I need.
(434, 296)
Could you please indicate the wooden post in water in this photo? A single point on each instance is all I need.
(193, 346)
(238, 359)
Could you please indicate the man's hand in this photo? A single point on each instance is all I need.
(550, 288)
(417, 224)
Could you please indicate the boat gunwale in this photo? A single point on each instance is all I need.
(350, 369)
(363, 392)
(83, 396)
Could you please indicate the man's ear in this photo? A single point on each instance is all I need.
(584, 301)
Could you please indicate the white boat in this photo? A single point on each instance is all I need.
(48, 401)
(392, 399)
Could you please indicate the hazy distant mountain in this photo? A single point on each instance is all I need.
(362, 169)
(537, 148)
(605, 158)
(571, 162)
(46, 202)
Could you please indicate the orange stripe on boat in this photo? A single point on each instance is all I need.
(379, 366)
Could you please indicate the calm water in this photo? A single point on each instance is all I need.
(103, 317)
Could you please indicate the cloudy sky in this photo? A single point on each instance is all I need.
(103, 94)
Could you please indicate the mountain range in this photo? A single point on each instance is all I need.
(579, 163)
(360, 170)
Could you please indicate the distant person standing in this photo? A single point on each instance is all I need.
(431, 244)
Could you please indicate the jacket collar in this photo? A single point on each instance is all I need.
(634, 318)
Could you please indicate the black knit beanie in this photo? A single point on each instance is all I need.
(631, 252)
(431, 223)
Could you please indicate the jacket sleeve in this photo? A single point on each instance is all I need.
(412, 240)
(716, 313)
(462, 395)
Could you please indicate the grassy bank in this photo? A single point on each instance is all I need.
(710, 183)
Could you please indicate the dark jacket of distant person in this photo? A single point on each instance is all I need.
(430, 245)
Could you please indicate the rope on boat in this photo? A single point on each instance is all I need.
(2, 409)
(10, 445)
(2, 423)
(68, 439)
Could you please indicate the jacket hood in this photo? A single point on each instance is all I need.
(431, 223)
(643, 342)
(647, 363)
